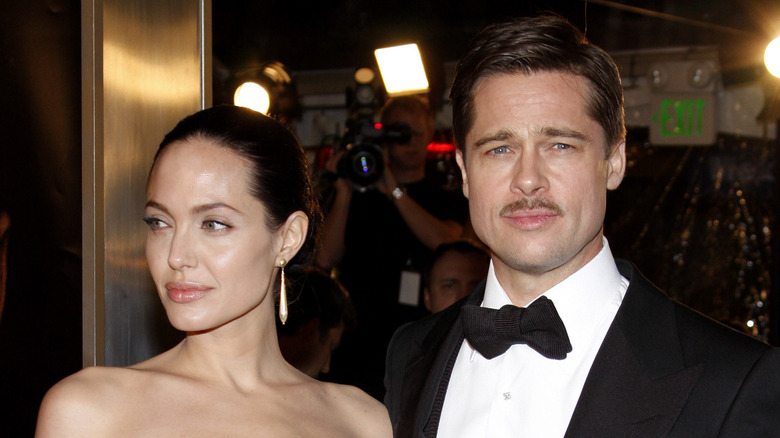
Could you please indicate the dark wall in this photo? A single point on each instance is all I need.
(40, 187)
(700, 223)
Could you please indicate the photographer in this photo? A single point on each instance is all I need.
(379, 240)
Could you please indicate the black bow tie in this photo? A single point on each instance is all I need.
(492, 332)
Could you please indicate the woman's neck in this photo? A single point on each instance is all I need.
(243, 353)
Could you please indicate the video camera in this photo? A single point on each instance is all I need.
(364, 160)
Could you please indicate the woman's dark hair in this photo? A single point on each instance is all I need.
(539, 44)
(316, 294)
(280, 177)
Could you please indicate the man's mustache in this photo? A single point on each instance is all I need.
(531, 204)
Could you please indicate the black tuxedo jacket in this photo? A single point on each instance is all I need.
(662, 370)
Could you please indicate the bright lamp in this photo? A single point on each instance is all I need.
(402, 69)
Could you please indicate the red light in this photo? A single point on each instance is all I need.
(440, 148)
(377, 125)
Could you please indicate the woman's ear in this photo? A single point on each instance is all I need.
(293, 234)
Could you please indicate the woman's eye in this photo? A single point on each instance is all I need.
(154, 223)
(212, 225)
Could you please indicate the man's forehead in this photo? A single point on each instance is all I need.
(577, 83)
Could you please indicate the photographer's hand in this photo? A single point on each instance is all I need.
(387, 182)
(343, 186)
(427, 228)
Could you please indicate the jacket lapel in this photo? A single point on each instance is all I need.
(639, 383)
(426, 368)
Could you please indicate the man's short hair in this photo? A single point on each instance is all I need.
(546, 43)
(414, 104)
(464, 247)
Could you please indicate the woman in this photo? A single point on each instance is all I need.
(229, 207)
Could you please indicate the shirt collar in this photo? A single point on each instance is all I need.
(582, 300)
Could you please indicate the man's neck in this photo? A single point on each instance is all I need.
(524, 286)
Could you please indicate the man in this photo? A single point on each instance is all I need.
(538, 120)
(453, 271)
(320, 312)
(379, 240)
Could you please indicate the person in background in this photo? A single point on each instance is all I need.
(453, 271)
(378, 240)
(229, 208)
(563, 340)
(320, 313)
(5, 224)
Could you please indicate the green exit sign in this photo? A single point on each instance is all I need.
(683, 119)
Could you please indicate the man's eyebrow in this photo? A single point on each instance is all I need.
(499, 136)
(566, 133)
(548, 131)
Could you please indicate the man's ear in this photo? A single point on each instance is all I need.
(427, 298)
(616, 166)
(464, 175)
(293, 234)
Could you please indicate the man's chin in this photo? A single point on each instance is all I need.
(532, 262)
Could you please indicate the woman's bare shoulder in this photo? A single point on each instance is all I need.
(86, 401)
(369, 417)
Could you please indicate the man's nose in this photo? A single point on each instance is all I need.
(529, 173)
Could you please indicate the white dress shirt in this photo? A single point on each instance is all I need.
(522, 393)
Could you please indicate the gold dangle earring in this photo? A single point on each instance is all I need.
(282, 296)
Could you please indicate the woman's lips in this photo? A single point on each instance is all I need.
(182, 292)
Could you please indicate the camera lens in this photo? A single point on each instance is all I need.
(362, 164)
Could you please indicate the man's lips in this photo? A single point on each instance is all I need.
(186, 292)
(530, 213)
(530, 218)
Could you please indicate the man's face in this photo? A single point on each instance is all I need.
(453, 276)
(536, 175)
(411, 155)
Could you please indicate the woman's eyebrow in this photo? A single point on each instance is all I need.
(157, 206)
(198, 209)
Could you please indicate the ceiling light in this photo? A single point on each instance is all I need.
(253, 96)
(402, 69)
(268, 89)
(772, 57)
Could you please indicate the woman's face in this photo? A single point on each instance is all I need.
(210, 253)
